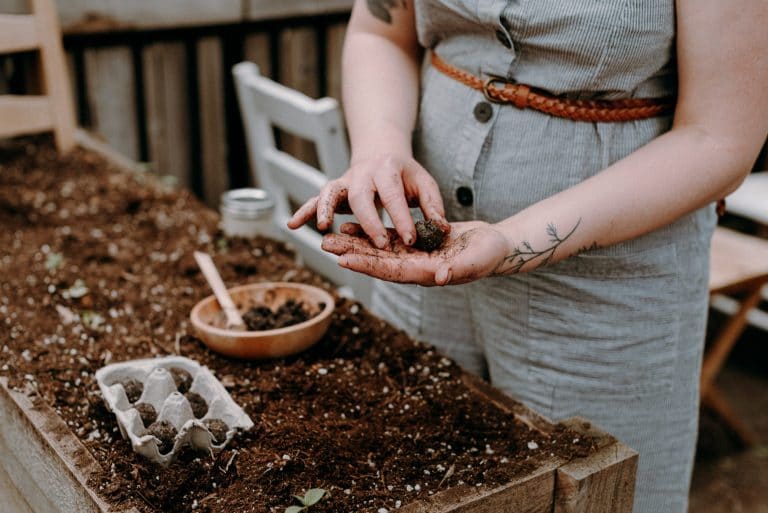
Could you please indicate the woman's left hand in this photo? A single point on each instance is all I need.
(471, 251)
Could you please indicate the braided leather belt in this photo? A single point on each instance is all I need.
(499, 90)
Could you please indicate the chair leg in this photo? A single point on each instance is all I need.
(716, 403)
(721, 348)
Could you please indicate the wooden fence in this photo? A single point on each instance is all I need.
(153, 77)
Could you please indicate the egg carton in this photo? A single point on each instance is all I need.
(163, 405)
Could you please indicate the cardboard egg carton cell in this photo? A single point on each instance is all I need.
(163, 405)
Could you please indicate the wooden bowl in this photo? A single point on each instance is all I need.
(208, 321)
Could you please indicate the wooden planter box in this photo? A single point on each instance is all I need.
(44, 468)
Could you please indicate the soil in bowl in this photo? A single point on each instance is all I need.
(367, 413)
(260, 317)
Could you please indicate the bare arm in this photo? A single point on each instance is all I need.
(721, 121)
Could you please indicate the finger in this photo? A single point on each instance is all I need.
(392, 195)
(340, 244)
(352, 229)
(361, 200)
(390, 268)
(331, 196)
(356, 230)
(304, 214)
(430, 200)
(444, 274)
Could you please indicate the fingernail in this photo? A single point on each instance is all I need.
(408, 239)
(382, 241)
(343, 261)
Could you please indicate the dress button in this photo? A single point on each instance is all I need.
(503, 38)
(483, 112)
(464, 196)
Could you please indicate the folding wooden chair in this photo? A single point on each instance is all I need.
(739, 265)
(54, 111)
(749, 201)
(265, 104)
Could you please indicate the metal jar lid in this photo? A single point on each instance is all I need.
(247, 203)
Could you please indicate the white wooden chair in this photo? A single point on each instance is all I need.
(265, 104)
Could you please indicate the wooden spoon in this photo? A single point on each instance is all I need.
(205, 262)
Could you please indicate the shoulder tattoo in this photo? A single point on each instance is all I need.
(382, 9)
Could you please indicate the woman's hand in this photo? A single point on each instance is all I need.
(472, 251)
(396, 182)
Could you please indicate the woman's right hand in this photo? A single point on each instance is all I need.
(393, 181)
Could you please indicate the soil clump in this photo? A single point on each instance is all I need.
(261, 317)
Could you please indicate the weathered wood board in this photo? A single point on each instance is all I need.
(89, 16)
(111, 95)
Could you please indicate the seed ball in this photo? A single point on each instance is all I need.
(165, 433)
(429, 236)
(133, 389)
(182, 379)
(147, 413)
(198, 404)
(218, 429)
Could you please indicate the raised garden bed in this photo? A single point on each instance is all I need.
(97, 267)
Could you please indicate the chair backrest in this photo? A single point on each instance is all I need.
(29, 114)
(750, 200)
(265, 104)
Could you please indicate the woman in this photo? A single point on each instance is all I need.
(581, 245)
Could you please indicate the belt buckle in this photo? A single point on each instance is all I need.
(489, 82)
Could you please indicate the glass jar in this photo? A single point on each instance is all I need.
(247, 212)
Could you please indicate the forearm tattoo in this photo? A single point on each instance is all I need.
(382, 9)
(525, 253)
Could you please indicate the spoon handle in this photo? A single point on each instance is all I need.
(211, 274)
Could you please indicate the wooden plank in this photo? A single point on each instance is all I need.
(48, 463)
(213, 136)
(257, 49)
(265, 9)
(18, 33)
(738, 261)
(529, 494)
(93, 16)
(85, 16)
(299, 70)
(24, 115)
(54, 73)
(111, 93)
(603, 482)
(89, 142)
(165, 82)
(13, 499)
(334, 44)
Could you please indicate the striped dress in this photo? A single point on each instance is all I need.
(614, 334)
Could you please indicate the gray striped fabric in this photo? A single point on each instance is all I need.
(616, 334)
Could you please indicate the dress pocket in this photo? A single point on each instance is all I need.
(606, 325)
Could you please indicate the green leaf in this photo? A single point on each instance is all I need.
(222, 244)
(294, 509)
(313, 496)
(53, 261)
(300, 499)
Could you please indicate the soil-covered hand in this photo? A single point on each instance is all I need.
(392, 181)
(472, 251)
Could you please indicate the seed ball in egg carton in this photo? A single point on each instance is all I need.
(167, 405)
